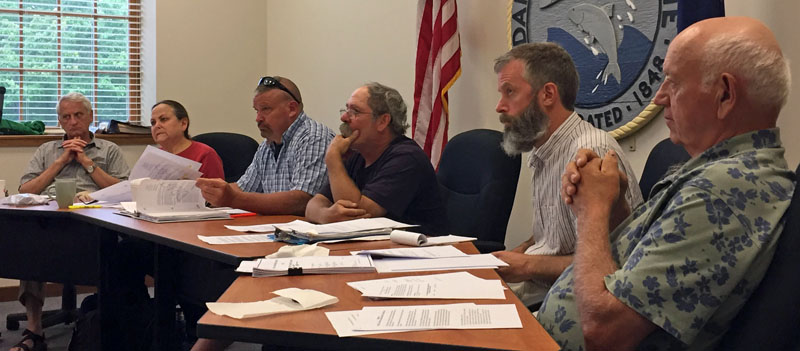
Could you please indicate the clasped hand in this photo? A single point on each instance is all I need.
(593, 183)
(73, 150)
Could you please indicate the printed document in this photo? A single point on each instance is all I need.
(301, 232)
(156, 164)
(237, 239)
(169, 201)
(487, 261)
(414, 252)
(458, 285)
(269, 267)
(452, 316)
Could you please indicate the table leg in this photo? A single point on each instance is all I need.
(165, 277)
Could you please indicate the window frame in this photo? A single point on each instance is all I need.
(134, 72)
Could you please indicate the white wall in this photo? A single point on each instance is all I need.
(211, 53)
(333, 47)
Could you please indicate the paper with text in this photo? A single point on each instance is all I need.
(458, 285)
(414, 252)
(452, 316)
(237, 239)
(488, 261)
(159, 164)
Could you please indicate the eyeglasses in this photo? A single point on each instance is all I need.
(272, 82)
(351, 112)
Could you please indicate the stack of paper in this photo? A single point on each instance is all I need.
(414, 252)
(155, 164)
(168, 201)
(484, 261)
(270, 267)
(303, 232)
(459, 285)
(389, 319)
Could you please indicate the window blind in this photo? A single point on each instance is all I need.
(49, 48)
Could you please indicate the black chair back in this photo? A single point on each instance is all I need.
(771, 317)
(235, 150)
(664, 155)
(2, 98)
(478, 182)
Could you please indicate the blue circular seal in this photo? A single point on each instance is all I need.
(618, 47)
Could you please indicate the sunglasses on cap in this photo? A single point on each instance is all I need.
(272, 82)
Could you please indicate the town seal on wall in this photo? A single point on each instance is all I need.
(618, 47)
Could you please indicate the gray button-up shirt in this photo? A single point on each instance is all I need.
(105, 154)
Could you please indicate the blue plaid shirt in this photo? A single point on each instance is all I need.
(300, 164)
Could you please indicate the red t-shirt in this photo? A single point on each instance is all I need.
(211, 163)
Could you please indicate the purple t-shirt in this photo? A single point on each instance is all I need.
(403, 182)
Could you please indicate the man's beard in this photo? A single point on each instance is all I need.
(523, 132)
(344, 128)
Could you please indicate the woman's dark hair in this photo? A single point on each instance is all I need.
(180, 113)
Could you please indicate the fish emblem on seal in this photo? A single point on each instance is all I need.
(596, 22)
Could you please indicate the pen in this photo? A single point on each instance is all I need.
(247, 214)
(84, 206)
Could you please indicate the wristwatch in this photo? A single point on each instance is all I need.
(89, 169)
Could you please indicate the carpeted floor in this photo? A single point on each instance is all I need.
(58, 336)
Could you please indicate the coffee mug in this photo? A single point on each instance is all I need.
(65, 192)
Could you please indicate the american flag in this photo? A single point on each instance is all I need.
(438, 67)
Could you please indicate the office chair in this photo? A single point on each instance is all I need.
(235, 150)
(478, 182)
(67, 314)
(769, 319)
(664, 155)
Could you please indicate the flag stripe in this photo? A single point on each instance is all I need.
(438, 66)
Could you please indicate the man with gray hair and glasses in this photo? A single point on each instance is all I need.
(538, 85)
(93, 164)
(387, 175)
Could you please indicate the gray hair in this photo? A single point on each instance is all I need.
(383, 99)
(74, 97)
(545, 62)
(766, 74)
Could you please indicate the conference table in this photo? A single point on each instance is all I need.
(76, 246)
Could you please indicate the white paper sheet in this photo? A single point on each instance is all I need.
(286, 251)
(344, 321)
(153, 163)
(452, 316)
(237, 239)
(288, 300)
(119, 192)
(458, 285)
(313, 265)
(414, 252)
(159, 164)
(259, 228)
(438, 264)
(417, 239)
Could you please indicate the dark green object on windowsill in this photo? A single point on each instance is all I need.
(21, 128)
